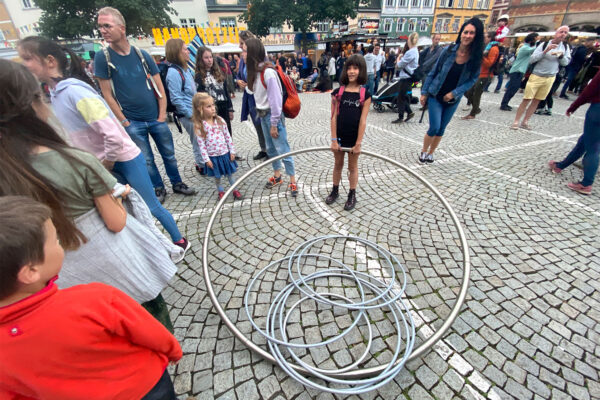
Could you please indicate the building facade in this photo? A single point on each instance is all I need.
(548, 15)
(449, 15)
(190, 13)
(499, 8)
(23, 15)
(399, 18)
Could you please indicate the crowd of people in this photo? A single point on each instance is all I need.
(80, 186)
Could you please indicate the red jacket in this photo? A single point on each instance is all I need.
(86, 342)
(591, 94)
(488, 61)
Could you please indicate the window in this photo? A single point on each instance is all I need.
(402, 3)
(479, 3)
(456, 24)
(183, 22)
(227, 22)
(424, 24)
(387, 25)
(470, 4)
(412, 24)
(461, 3)
(494, 18)
(192, 22)
(416, 3)
(400, 25)
(486, 4)
(442, 24)
(427, 3)
(443, 3)
(28, 4)
(450, 3)
(274, 31)
(390, 3)
(2, 38)
(323, 26)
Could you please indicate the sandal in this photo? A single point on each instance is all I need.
(525, 126)
(514, 126)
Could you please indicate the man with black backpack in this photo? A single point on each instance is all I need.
(491, 56)
(547, 57)
(131, 85)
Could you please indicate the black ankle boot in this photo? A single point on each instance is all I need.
(333, 195)
(351, 202)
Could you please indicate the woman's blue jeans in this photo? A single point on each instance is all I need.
(588, 146)
(189, 127)
(440, 115)
(279, 145)
(134, 173)
(514, 83)
(140, 132)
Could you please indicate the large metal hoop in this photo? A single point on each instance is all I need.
(366, 371)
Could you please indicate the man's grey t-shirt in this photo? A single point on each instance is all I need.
(132, 89)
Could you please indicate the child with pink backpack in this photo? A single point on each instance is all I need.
(350, 105)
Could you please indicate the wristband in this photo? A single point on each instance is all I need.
(334, 139)
(125, 120)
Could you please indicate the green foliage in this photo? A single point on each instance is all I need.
(69, 19)
(301, 14)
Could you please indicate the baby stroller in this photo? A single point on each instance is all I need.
(386, 96)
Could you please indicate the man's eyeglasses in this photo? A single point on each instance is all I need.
(105, 26)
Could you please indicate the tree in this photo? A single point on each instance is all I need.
(301, 14)
(69, 19)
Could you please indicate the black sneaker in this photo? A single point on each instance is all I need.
(182, 188)
(161, 194)
(260, 155)
(506, 108)
(185, 245)
(409, 117)
(429, 158)
(423, 156)
(397, 121)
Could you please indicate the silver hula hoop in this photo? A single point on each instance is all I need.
(356, 373)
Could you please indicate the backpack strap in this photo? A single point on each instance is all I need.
(178, 68)
(338, 97)
(110, 65)
(363, 91)
(149, 77)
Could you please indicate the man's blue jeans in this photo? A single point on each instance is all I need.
(277, 146)
(588, 146)
(135, 173)
(140, 132)
(371, 83)
(377, 79)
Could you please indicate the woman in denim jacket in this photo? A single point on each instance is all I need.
(456, 70)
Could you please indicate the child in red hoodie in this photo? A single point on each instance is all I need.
(85, 342)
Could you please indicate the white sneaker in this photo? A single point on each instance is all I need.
(429, 158)
(423, 156)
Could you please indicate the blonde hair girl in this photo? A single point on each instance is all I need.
(214, 142)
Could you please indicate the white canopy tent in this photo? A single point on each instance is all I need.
(225, 48)
(574, 33)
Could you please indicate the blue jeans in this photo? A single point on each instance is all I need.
(163, 390)
(571, 74)
(588, 146)
(135, 173)
(189, 127)
(140, 132)
(499, 84)
(440, 115)
(277, 146)
(371, 83)
(513, 85)
(377, 79)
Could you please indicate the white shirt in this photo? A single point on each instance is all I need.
(370, 60)
(379, 59)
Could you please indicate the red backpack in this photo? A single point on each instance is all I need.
(291, 101)
(338, 97)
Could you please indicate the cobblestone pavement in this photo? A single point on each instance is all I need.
(530, 327)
